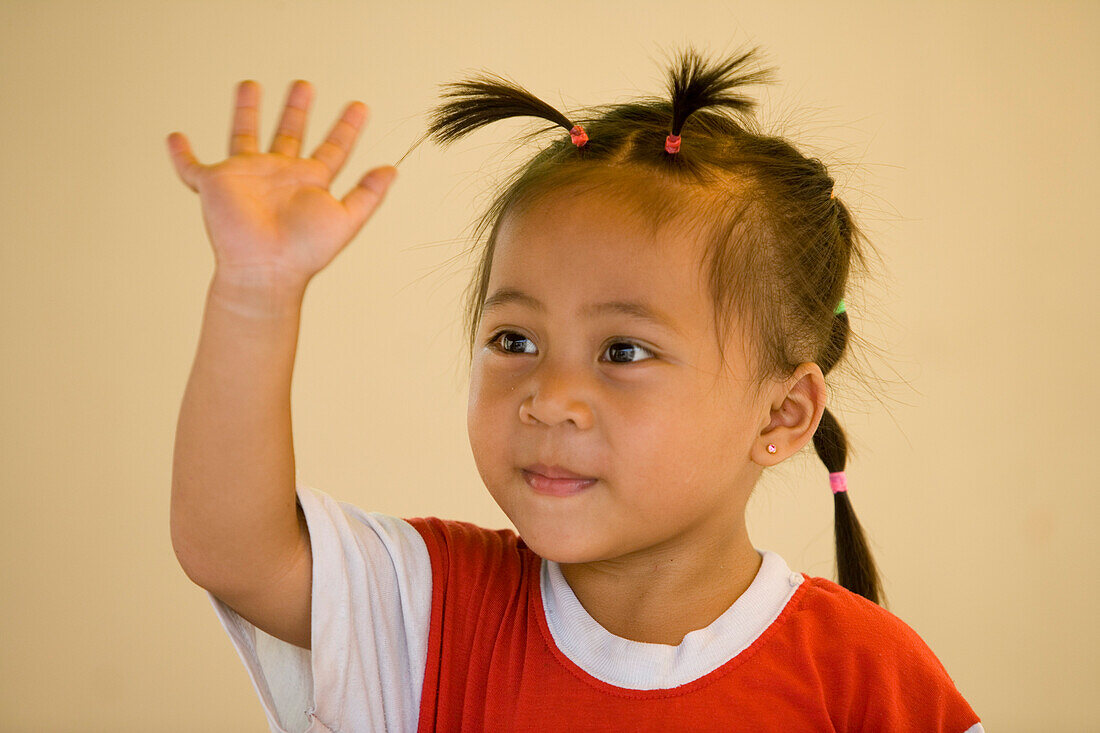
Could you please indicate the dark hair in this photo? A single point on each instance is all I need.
(778, 245)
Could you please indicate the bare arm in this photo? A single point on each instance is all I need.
(233, 514)
(273, 225)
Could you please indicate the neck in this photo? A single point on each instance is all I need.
(661, 594)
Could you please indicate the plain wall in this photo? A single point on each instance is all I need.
(964, 135)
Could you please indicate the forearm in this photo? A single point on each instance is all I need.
(233, 495)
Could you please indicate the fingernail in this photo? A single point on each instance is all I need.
(380, 180)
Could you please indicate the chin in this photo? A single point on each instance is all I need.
(551, 530)
(561, 547)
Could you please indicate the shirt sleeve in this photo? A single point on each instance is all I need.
(910, 687)
(370, 608)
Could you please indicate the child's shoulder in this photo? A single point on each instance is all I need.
(852, 617)
(830, 599)
(845, 623)
(456, 531)
(467, 543)
(865, 646)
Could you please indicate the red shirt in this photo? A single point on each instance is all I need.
(831, 660)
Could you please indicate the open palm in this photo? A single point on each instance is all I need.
(272, 212)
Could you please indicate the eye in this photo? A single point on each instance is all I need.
(511, 337)
(494, 341)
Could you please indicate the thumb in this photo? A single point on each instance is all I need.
(187, 167)
(362, 200)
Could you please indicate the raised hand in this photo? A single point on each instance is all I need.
(271, 214)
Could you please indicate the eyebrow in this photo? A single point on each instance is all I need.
(631, 308)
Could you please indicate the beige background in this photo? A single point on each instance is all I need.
(964, 135)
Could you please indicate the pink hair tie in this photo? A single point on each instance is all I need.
(672, 144)
(578, 135)
(838, 481)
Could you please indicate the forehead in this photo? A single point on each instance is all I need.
(573, 248)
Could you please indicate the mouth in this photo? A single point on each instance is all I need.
(556, 486)
(555, 472)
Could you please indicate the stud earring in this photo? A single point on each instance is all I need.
(771, 448)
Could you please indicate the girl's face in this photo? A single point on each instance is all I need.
(641, 405)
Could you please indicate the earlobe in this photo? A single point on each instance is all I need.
(767, 453)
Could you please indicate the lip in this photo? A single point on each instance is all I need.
(556, 486)
(555, 472)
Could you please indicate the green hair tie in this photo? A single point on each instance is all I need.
(840, 308)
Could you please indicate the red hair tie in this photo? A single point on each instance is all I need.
(672, 144)
(578, 135)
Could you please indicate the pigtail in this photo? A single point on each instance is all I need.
(694, 85)
(479, 101)
(855, 565)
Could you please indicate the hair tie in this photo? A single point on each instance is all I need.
(578, 135)
(672, 144)
(838, 481)
(840, 308)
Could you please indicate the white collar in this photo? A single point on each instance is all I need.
(638, 665)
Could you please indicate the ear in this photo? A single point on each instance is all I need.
(796, 409)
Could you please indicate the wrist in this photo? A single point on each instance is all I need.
(257, 293)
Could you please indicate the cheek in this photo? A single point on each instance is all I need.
(485, 426)
(679, 441)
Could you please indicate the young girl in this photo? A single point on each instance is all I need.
(650, 326)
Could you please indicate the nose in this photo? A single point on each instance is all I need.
(557, 395)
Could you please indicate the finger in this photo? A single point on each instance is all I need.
(362, 200)
(333, 152)
(186, 165)
(246, 119)
(288, 136)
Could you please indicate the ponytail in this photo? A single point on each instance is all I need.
(855, 566)
(485, 99)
